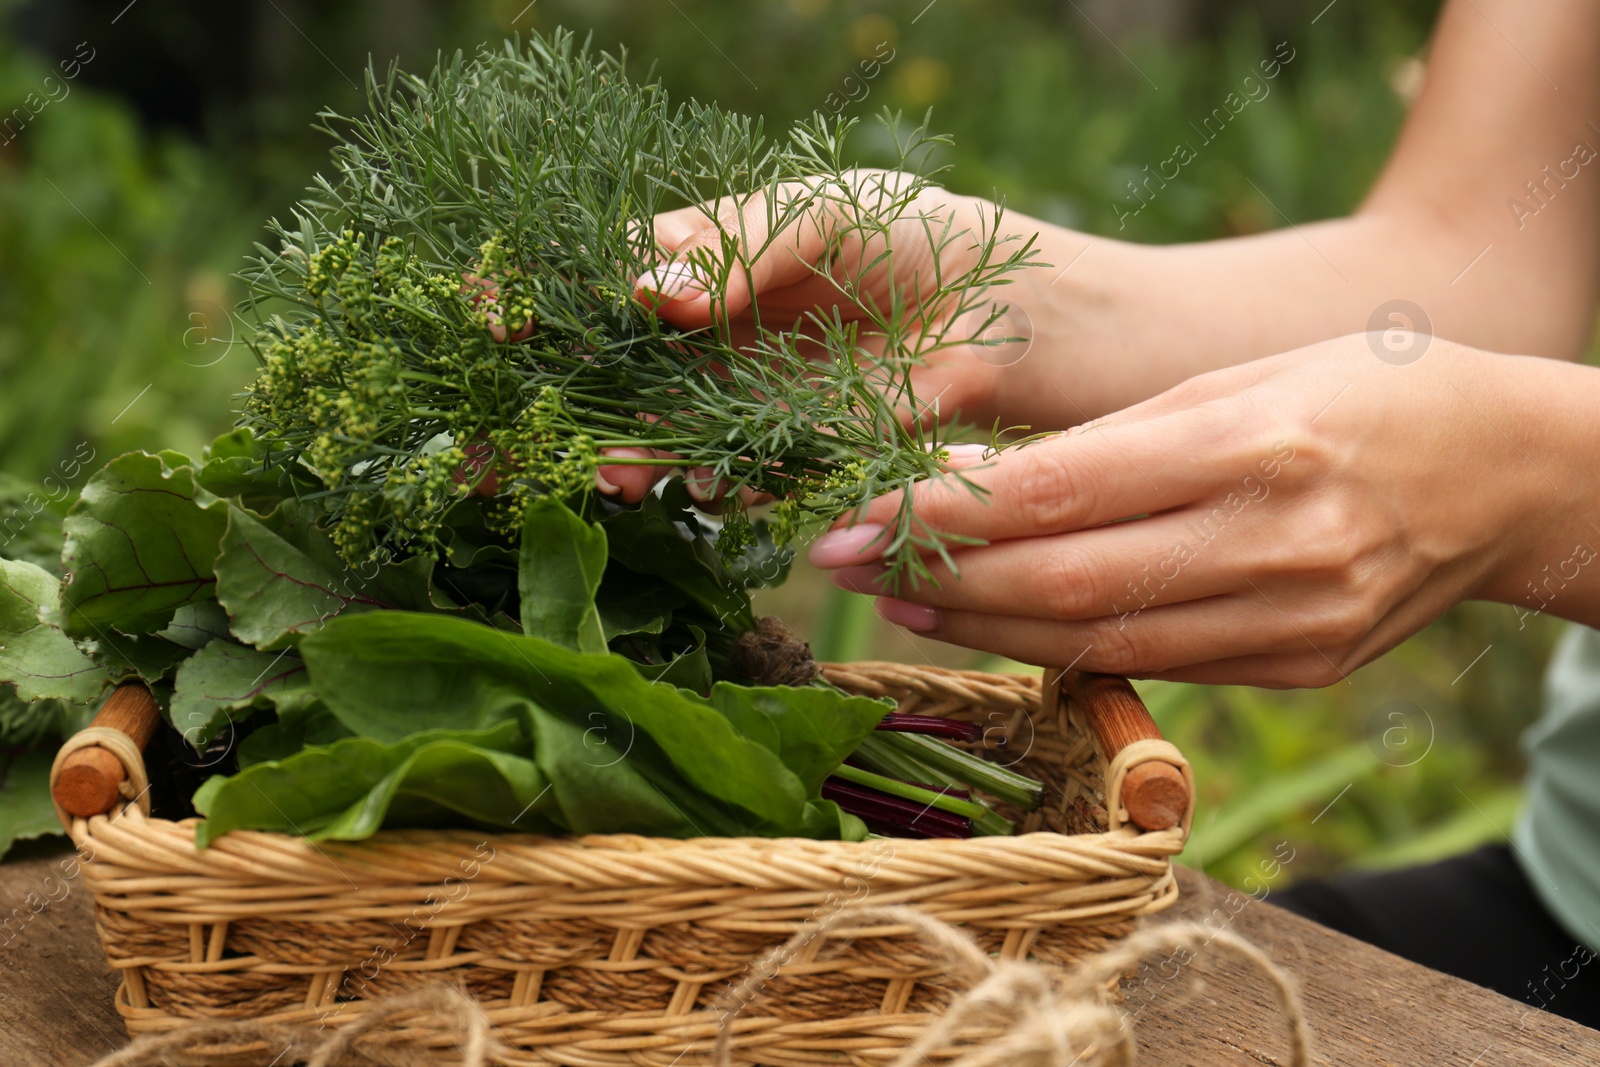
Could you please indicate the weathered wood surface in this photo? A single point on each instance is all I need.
(55, 987)
(1365, 1007)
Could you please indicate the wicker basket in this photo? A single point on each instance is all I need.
(612, 950)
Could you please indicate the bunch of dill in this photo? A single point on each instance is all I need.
(537, 168)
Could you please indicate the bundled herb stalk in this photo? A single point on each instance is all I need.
(534, 172)
(392, 597)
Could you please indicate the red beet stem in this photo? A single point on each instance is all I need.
(932, 725)
(894, 816)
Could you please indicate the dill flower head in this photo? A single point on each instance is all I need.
(447, 321)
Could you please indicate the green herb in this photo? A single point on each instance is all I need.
(400, 558)
(537, 168)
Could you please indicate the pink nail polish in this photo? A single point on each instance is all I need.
(862, 579)
(918, 617)
(671, 282)
(851, 545)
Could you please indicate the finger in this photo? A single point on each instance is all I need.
(674, 227)
(1280, 671)
(1071, 482)
(681, 290)
(485, 293)
(1104, 571)
(1140, 643)
(630, 482)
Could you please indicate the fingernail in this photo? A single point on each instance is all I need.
(701, 483)
(918, 617)
(841, 548)
(602, 484)
(669, 282)
(862, 579)
(965, 452)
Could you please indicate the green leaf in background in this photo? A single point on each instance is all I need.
(811, 729)
(35, 656)
(629, 603)
(234, 468)
(224, 677)
(140, 543)
(389, 674)
(25, 724)
(559, 570)
(30, 521)
(1252, 811)
(280, 578)
(661, 538)
(1486, 820)
(344, 791)
(25, 808)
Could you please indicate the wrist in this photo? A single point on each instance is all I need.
(1539, 415)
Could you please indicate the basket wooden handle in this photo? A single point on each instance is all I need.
(89, 781)
(1155, 793)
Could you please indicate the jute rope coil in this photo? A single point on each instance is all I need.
(1028, 1015)
(612, 951)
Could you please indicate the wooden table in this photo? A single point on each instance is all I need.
(1365, 1006)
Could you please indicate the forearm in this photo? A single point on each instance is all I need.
(1441, 229)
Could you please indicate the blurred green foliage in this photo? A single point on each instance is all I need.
(116, 243)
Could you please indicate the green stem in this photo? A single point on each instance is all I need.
(984, 821)
(961, 766)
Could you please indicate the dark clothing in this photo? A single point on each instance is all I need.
(1473, 916)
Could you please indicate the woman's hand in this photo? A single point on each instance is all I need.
(1288, 520)
(784, 281)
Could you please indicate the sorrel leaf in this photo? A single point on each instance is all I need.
(345, 790)
(811, 730)
(559, 570)
(388, 674)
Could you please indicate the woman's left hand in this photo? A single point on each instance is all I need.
(1286, 520)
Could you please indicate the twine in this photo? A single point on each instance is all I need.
(1050, 1017)
(202, 1044)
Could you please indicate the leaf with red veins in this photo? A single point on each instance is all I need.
(280, 578)
(35, 656)
(274, 590)
(225, 677)
(140, 543)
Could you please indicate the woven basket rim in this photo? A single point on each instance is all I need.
(267, 857)
(175, 848)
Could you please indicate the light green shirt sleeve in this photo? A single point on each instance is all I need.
(1557, 837)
